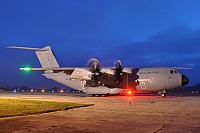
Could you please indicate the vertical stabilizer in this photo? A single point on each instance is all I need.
(45, 56)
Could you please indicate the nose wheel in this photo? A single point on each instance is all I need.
(162, 93)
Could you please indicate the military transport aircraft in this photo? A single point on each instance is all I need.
(97, 80)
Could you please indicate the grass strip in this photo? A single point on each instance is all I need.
(19, 107)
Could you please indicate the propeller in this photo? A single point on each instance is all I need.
(94, 66)
(119, 71)
(118, 65)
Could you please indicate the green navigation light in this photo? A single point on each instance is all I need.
(27, 69)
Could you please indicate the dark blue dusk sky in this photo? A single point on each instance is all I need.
(141, 33)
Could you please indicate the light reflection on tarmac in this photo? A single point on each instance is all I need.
(137, 113)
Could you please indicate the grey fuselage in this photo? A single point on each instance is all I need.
(141, 80)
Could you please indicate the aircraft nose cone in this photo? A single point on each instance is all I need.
(185, 80)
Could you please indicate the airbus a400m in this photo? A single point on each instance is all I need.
(97, 80)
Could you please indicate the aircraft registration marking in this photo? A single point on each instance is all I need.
(142, 84)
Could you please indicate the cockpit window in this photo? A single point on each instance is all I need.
(172, 71)
(175, 71)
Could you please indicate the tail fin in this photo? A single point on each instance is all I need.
(45, 56)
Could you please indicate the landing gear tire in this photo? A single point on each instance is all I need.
(91, 95)
(163, 95)
(98, 95)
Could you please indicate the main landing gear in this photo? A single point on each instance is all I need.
(162, 93)
(100, 95)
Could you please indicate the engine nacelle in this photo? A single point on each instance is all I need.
(81, 74)
(107, 71)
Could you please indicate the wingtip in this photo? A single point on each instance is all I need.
(182, 68)
(10, 47)
(48, 48)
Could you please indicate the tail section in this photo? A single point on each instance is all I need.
(45, 56)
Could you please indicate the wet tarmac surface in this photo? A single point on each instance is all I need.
(123, 114)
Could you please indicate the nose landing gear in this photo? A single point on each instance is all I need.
(162, 93)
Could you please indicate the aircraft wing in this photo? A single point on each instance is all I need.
(182, 68)
(46, 69)
(78, 73)
(67, 70)
(55, 69)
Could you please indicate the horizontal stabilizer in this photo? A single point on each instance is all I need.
(33, 49)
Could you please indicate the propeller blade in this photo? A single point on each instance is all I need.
(93, 64)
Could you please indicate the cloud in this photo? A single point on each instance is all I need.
(178, 46)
